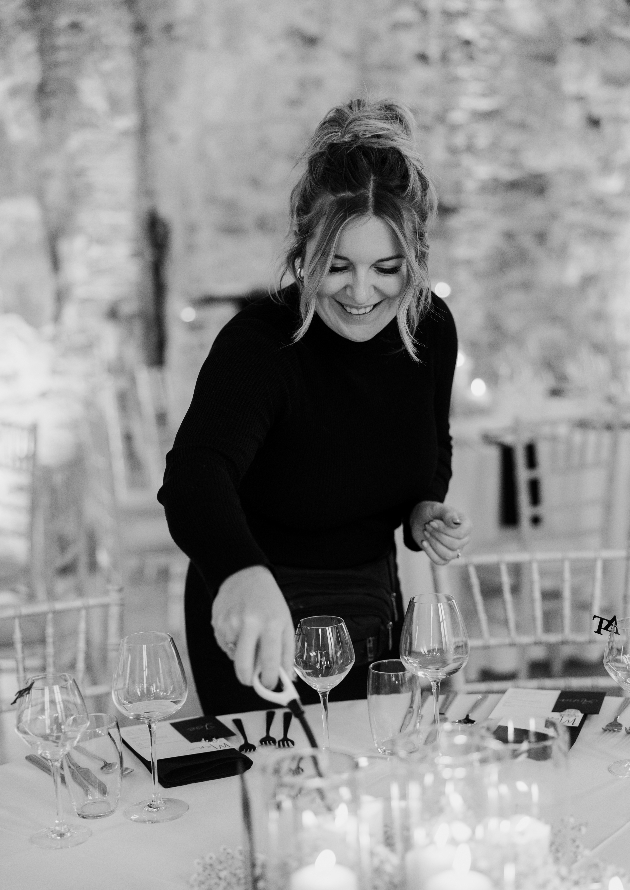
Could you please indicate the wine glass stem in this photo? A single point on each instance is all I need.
(156, 800)
(435, 688)
(60, 828)
(324, 699)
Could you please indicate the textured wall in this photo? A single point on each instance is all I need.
(199, 109)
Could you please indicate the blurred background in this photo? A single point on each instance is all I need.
(147, 151)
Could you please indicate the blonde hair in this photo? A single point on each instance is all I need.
(362, 161)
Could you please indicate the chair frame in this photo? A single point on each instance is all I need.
(532, 563)
(111, 601)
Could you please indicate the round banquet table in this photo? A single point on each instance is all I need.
(135, 857)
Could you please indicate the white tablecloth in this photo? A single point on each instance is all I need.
(121, 854)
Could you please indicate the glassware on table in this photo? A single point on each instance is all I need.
(434, 642)
(310, 813)
(93, 769)
(323, 656)
(393, 699)
(51, 716)
(617, 663)
(149, 685)
(530, 808)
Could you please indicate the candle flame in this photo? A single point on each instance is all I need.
(326, 859)
(462, 859)
(615, 883)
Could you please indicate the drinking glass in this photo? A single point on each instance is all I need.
(51, 715)
(150, 685)
(434, 642)
(323, 656)
(617, 663)
(93, 771)
(393, 697)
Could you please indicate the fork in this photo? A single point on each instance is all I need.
(285, 741)
(615, 725)
(246, 747)
(468, 718)
(268, 739)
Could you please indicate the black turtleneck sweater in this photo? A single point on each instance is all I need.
(310, 453)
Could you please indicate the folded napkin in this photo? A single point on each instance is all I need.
(192, 750)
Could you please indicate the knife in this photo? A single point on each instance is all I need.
(44, 765)
(83, 774)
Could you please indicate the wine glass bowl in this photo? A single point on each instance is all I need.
(617, 664)
(51, 716)
(323, 656)
(434, 641)
(150, 684)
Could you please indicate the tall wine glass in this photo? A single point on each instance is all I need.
(434, 642)
(51, 715)
(323, 656)
(150, 685)
(617, 663)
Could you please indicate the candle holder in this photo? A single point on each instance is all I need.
(312, 823)
(446, 800)
(529, 805)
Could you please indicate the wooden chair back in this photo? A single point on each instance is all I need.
(80, 636)
(503, 598)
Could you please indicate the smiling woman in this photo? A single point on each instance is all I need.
(320, 423)
(361, 292)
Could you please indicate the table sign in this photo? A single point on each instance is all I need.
(187, 754)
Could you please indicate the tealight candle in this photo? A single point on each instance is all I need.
(525, 831)
(459, 877)
(324, 874)
(423, 862)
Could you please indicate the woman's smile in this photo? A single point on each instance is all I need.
(360, 293)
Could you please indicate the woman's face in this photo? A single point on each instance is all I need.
(359, 295)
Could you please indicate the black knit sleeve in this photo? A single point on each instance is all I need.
(444, 359)
(238, 393)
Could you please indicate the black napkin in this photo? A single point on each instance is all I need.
(202, 766)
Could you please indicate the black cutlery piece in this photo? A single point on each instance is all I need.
(285, 741)
(44, 765)
(268, 739)
(246, 747)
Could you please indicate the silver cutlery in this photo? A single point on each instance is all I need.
(44, 765)
(285, 741)
(615, 725)
(268, 739)
(107, 765)
(84, 776)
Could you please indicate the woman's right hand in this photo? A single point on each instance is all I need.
(252, 623)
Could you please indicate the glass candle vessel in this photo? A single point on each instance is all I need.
(529, 806)
(445, 801)
(312, 821)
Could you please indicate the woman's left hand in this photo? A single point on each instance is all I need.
(440, 530)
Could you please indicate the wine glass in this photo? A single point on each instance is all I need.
(434, 642)
(617, 663)
(150, 684)
(51, 715)
(323, 656)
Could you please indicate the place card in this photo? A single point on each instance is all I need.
(527, 709)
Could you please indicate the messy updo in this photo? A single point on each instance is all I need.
(362, 161)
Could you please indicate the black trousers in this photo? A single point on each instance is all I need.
(218, 688)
